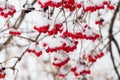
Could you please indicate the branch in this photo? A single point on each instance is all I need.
(16, 26)
(111, 38)
(113, 61)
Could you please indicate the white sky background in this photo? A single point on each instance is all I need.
(33, 67)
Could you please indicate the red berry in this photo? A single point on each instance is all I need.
(61, 75)
(111, 7)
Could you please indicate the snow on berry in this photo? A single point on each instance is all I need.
(6, 9)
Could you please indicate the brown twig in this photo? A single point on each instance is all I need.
(111, 38)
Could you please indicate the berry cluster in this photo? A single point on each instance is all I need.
(7, 9)
(45, 29)
(42, 29)
(15, 33)
(74, 70)
(49, 3)
(109, 6)
(98, 7)
(81, 68)
(67, 4)
(60, 64)
(99, 22)
(80, 35)
(71, 5)
(93, 58)
(56, 29)
(60, 59)
(37, 53)
(93, 8)
(2, 73)
(64, 48)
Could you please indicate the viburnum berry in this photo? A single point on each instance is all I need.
(98, 7)
(57, 28)
(84, 57)
(44, 44)
(31, 50)
(85, 27)
(61, 75)
(92, 57)
(80, 68)
(111, 7)
(79, 5)
(2, 73)
(101, 54)
(64, 47)
(80, 35)
(99, 22)
(60, 64)
(67, 4)
(76, 42)
(106, 3)
(14, 32)
(50, 3)
(95, 7)
(42, 29)
(37, 53)
(60, 59)
(73, 69)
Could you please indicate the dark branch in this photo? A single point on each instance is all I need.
(111, 38)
